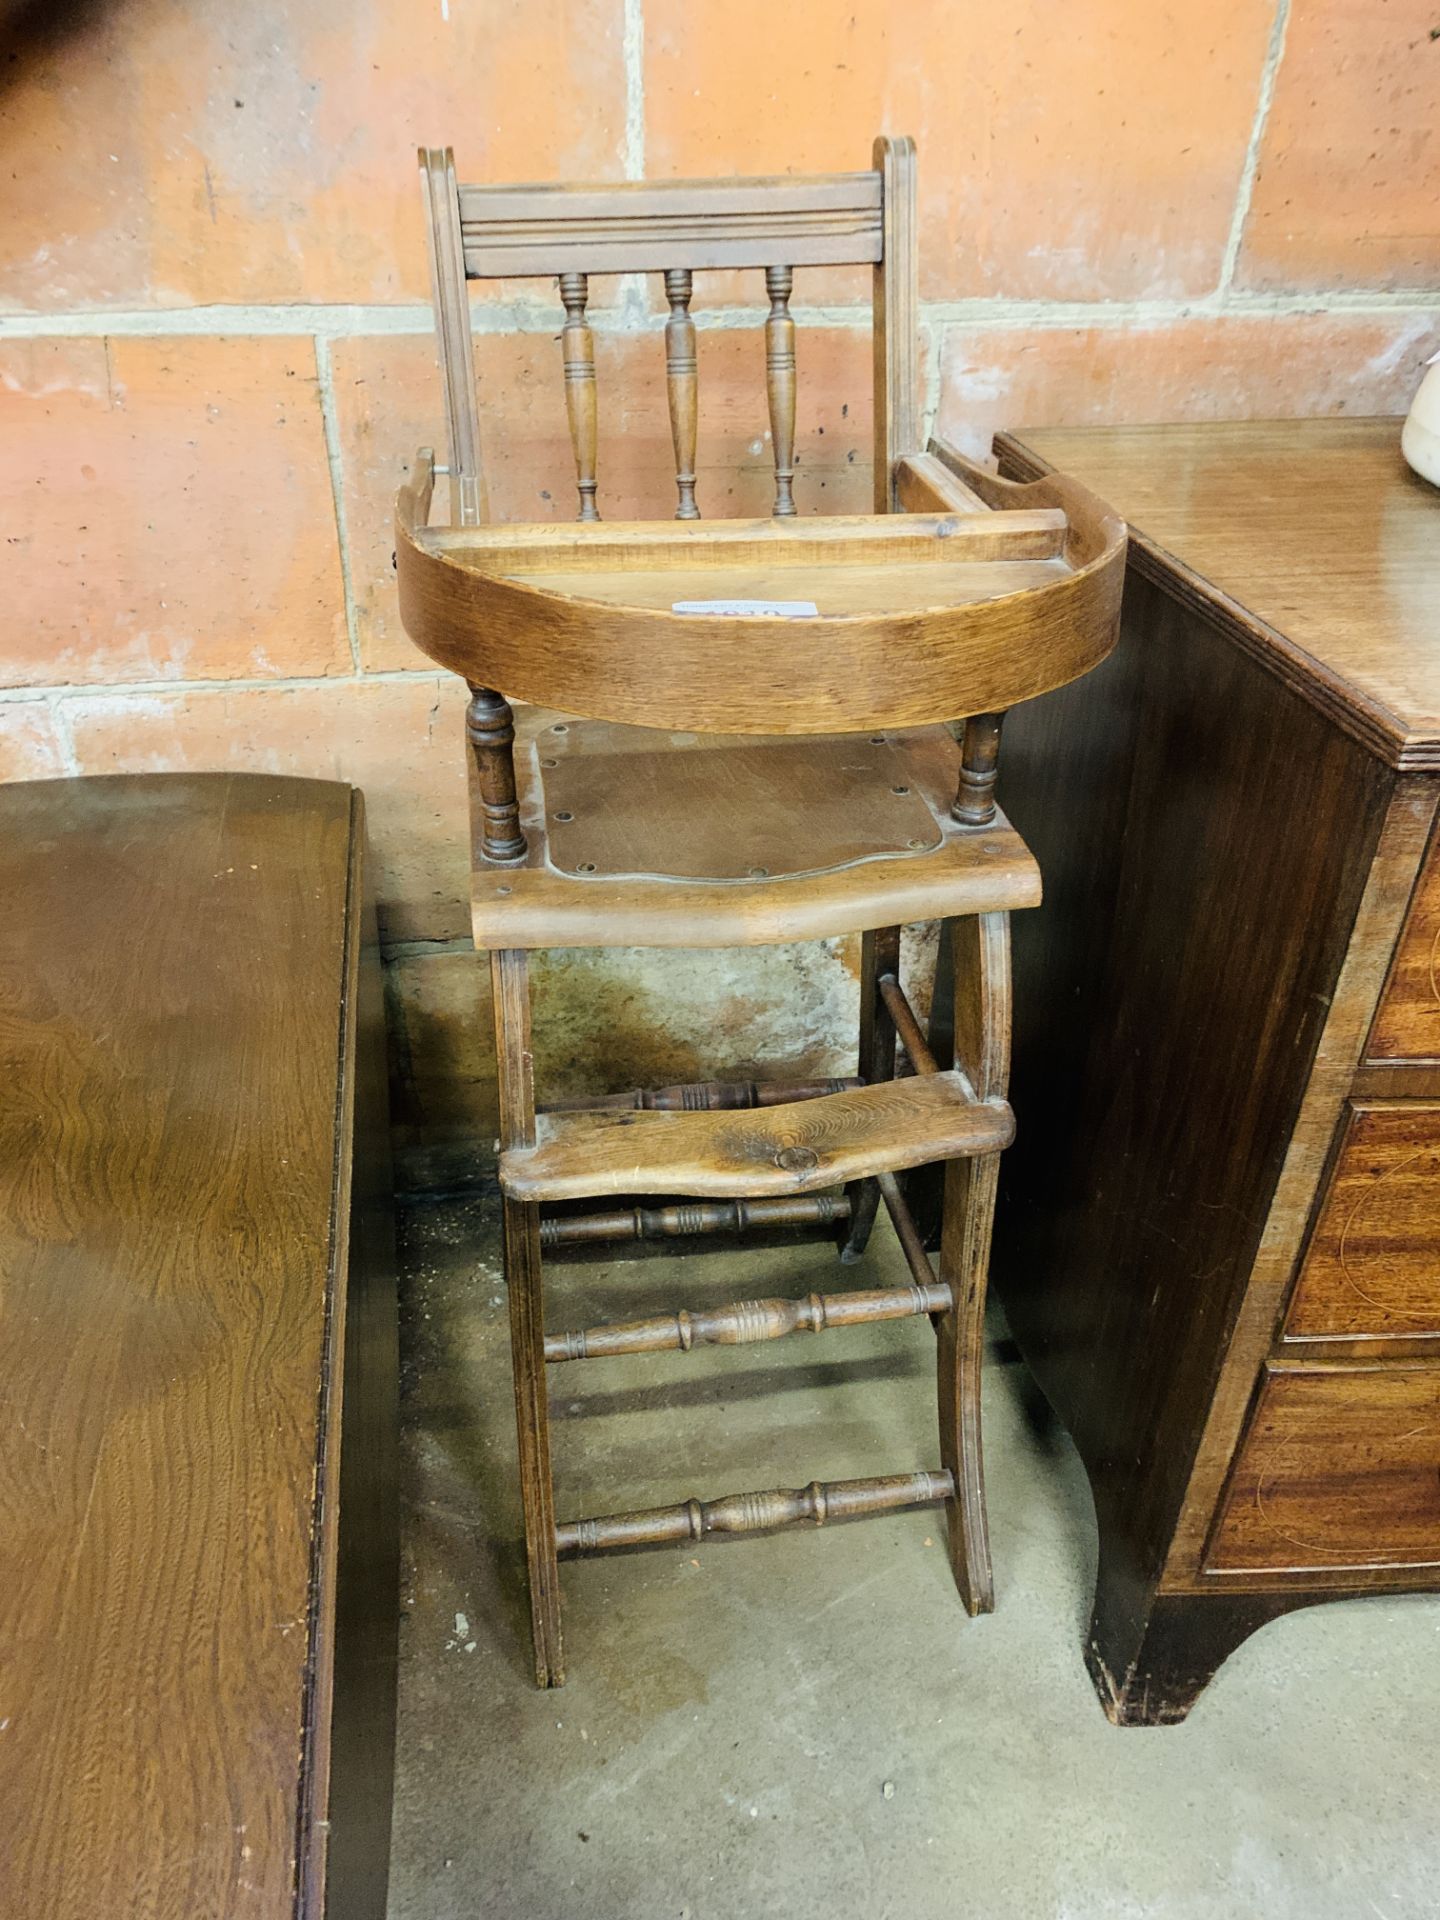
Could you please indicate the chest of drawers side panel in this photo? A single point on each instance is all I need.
(1205, 836)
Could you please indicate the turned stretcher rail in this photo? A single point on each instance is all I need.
(695, 1216)
(754, 1512)
(703, 1096)
(746, 1322)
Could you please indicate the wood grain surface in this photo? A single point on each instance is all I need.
(656, 226)
(688, 813)
(1407, 1026)
(350, 1730)
(176, 1056)
(524, 1285)
(577, 343)
(1308, 1158)
(468, 499)
(797, 1149)
(1227, 861)
(1312, 540)
(1341, 1466)
(534, 904)
(924, 485)
(981, 1030)
(895, 314)
(682, 388)
(1205, 837)
(780, 386)
(742, 1323)
(928, 537)
(1371, 1267)
(756, 1512)
(931, 650)
(1257, 796)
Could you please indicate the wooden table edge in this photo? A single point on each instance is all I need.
(1366, 720)
(315, 1864)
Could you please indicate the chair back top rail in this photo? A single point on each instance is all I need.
(642, 227)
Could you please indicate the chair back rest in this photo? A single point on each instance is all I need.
(673, 229)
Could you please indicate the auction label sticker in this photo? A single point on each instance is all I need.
(775, 609)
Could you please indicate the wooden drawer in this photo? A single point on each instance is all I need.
(1340, 1467)
(1407, 1025)
(1373, 1263)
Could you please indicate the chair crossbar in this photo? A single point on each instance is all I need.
(826, 220)
(912, 1241)
(747, 1322)
(764, 1512)
(694, 1217)
(703, 1096)
(907, 1027)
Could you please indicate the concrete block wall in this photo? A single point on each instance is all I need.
(214, 361)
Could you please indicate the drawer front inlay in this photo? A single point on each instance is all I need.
(1407, 1026)
(1340, 1468)
(1373, 1263)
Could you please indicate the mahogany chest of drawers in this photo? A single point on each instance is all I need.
(1219, 1234)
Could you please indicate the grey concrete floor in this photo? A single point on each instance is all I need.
(808, 1724)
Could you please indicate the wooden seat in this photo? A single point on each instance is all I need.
(735, 732)
(680, 840)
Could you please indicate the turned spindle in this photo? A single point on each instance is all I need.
(974, 803)
(490, 730)
(780, 385)
(696, 1216)
(577, 346)
(682, 381)
(743, 1323)
(705, 1096)
(822, 1500)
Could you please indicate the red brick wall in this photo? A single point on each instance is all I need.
(214, 349)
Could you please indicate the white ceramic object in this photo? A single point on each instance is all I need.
(1420, 436)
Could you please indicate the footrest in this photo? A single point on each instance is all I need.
(764, 1512)
(791, 1149)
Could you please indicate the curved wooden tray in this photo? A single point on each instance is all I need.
(919, 616)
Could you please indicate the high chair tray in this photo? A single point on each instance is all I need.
(855, 564)
(796, 624)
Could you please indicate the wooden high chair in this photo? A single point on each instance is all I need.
(740, 778)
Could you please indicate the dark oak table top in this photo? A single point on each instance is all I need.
(172, 969)
(1313, 538)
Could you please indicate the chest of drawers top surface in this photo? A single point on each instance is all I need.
(1314, 537)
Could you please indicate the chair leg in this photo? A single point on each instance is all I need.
(879, 955)
(982, 1048)
(964, 1253)
(510, 985)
